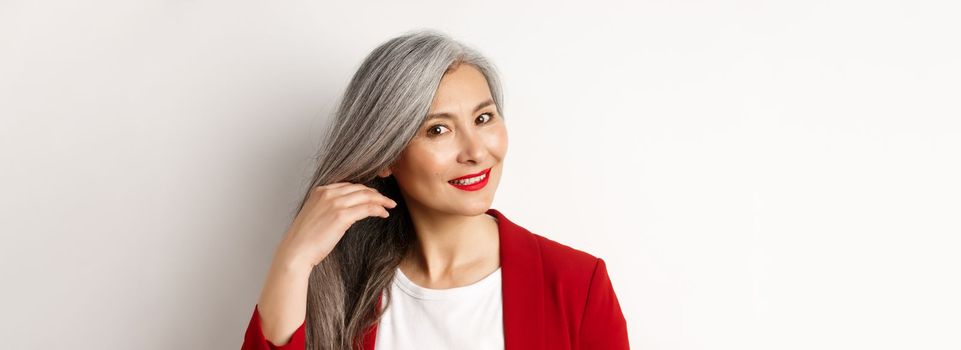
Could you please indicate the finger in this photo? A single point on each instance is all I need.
(338, 189)
(344, 190)
(337, 185)
(363, 196)
(328, 187)
(364, 210)
(386, 201)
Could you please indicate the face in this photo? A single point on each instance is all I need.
(464, 135)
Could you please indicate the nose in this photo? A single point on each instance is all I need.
(473, 149)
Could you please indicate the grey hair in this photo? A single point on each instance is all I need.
(381, 110)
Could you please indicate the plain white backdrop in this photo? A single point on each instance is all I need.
(757, 174)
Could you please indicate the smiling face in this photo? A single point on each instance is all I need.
(463, 136)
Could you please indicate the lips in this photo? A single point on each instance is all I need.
(476, 186)
(471, 175)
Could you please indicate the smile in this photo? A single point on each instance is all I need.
(472, 182)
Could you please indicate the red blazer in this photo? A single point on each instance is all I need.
(554, 296)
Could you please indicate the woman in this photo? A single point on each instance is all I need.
(395, 245)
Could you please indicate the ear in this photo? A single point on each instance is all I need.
(385, 172)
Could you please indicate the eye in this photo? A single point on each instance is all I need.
(436, 127)
(489, 116)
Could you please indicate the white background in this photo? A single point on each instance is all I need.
(757, 175)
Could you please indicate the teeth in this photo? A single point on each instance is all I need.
(469, 181)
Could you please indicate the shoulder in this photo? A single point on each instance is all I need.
(563, 267)
(565, 264)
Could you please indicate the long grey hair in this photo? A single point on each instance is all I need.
(381, 110)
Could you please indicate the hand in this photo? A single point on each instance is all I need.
(329, 211)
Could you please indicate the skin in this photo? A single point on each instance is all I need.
(457, 242)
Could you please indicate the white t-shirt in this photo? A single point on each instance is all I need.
(467, 318)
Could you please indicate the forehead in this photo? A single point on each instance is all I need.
(460, 89)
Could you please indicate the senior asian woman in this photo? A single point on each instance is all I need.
(395, 245)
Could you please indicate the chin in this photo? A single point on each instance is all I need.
(473, 208)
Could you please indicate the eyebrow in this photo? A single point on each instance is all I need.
(450, 116)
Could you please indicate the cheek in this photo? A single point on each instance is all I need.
(498, 141)
(424, 163)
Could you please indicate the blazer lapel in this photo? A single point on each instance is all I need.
(522, 285)
(522, 288)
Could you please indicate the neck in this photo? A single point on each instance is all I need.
(450, 246)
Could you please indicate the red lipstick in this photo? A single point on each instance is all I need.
(474, 186)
